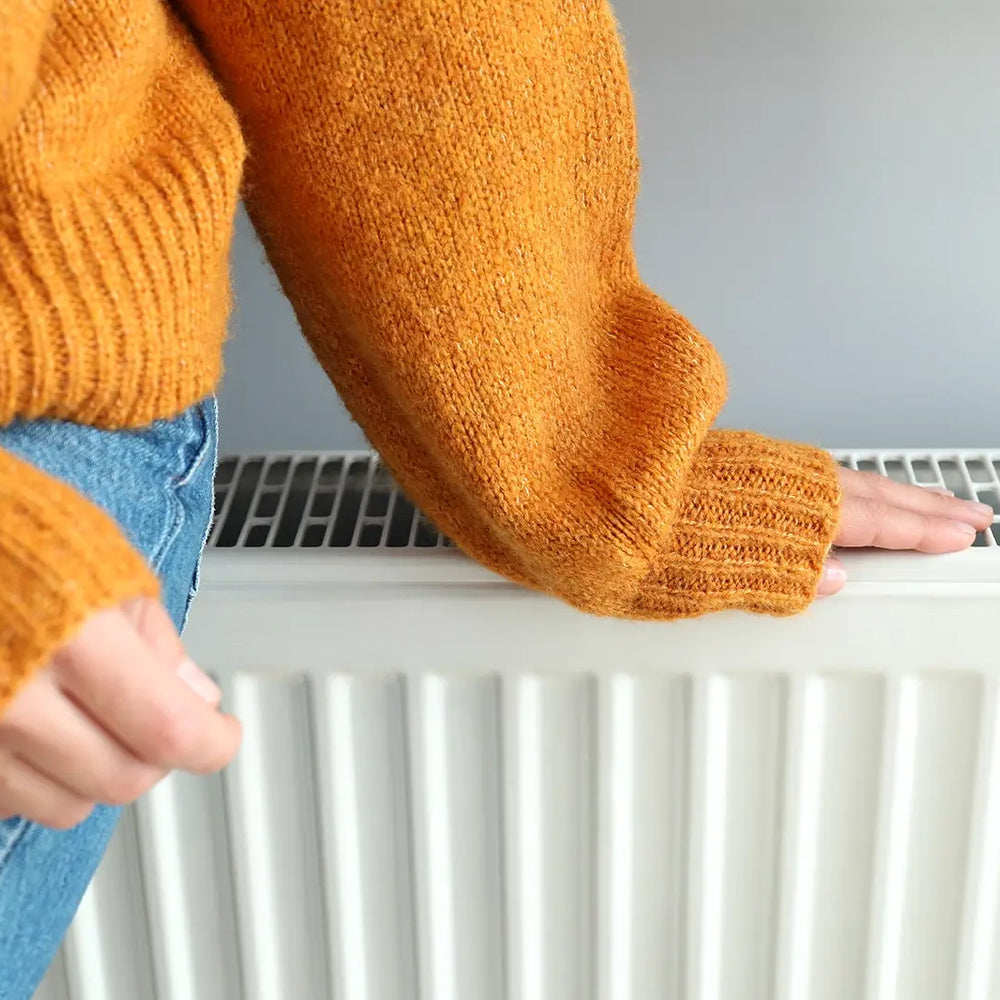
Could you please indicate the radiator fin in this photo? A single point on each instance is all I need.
(622, 836)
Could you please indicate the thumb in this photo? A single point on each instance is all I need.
(155, 628)
(833, 579)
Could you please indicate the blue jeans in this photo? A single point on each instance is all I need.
(157, 483)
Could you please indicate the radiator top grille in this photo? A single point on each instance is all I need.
(339, 500)
(348, 500)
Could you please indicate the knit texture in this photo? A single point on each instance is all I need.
(446, 190)
(62, 559)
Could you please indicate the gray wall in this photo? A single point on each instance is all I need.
(821, 195)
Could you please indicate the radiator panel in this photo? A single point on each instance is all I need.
(608, 837)
(451, 789)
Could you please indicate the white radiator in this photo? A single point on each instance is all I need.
(451, 789)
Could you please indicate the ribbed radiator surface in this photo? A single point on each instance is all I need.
(617, 837)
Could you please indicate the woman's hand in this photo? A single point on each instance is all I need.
(883, 514)
(117, 708)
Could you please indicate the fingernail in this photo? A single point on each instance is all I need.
(983, 509)
(832, 580)
(966, 529)
(199, 682)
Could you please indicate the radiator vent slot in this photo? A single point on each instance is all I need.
(348, 500)
(339, 500)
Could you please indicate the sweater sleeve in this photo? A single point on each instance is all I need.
(22, 31)
(61, 557)
(446, 192)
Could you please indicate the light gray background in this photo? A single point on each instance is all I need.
(821, 195)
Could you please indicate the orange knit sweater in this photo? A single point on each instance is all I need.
(445, 189)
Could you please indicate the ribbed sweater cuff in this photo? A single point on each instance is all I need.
(61, 559)
(756, 523)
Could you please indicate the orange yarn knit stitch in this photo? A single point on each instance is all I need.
(446, 190)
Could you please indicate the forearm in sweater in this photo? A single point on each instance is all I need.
(61, 557)
(446, 191)
(22, 33)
